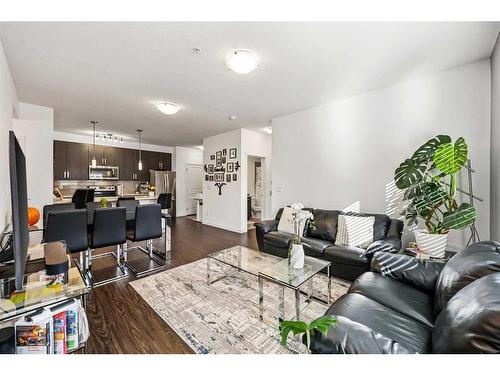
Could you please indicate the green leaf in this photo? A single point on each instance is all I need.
(432, 194)
(426, 151)
(288, 326)
(323, 324)
(463, 217)
(409, 172)
(450, 159)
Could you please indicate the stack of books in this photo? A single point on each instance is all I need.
(49, 330)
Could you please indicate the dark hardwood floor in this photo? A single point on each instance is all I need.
(121, 322)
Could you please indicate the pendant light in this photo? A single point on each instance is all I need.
(139, 165)
(94, 161)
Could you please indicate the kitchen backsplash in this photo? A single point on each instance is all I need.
(67, 187)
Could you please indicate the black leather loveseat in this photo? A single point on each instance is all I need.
(406, 305)
(347, 262)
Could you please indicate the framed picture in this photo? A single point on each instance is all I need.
(224, 152)
(235, 177)
(232, 153)
(223, 160)
(206, 177)
(228, 178)
(211, 177)
(210, 169)
(212, 157)
(219, 177)
(230, 167)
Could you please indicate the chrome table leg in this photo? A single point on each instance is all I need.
(297, 304)
(261, 298)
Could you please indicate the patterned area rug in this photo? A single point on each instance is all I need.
(224, 317)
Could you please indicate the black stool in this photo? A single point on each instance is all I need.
(147, 226)
(79, 198)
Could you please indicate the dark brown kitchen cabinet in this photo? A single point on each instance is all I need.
(146, 166)
(160, 161)
(71, 161)
(105, 155)
(128, 164)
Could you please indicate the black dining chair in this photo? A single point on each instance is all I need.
(79, 198)
(130, 205)
(69, 226)
(91, 207)
(54, 207)
(147, 226)
(108, 228)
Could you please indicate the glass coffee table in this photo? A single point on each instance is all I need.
(270, 268)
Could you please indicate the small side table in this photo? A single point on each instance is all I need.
(447, 255)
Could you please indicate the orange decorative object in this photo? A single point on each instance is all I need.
(33, 215)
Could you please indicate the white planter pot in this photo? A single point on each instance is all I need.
(297, 257)
(432, 244)
(151, 193)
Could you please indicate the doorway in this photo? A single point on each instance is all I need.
(194, 186)
(254, 190)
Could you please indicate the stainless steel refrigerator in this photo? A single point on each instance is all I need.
(164, 181)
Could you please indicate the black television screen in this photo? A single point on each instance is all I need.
(19, 200)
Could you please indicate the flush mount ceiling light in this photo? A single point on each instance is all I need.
(168, 108)
(242, 61)
(232, 117)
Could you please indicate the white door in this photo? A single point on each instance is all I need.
(194, 186)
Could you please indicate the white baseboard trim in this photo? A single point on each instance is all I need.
(225, 227)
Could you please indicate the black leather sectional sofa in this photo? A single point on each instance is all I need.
(347, 262)
(405, 305)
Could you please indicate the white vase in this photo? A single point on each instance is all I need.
(297, 256)
(432, 244)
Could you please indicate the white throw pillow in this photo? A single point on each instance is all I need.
(355, 231)
(286, 225)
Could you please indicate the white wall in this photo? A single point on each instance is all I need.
(184, 156)
(347, 151)
(34, 129)
(229, 210)
(495, 143)
(8, 109)
(223, 211)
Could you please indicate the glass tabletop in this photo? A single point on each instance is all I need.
(39, 290)
(245, 259)
(294, 278)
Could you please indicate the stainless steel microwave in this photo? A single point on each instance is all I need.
(104, 172)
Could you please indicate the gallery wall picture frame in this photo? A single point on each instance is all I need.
(235, 177)
(224, 152)
(223, 160)
(211, 177)
(228, 178)
(212, 157)
(206, 177)
(233, 154)
(230, 167)
(210, 169)
(219, 177)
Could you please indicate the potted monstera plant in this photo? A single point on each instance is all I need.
(429, 181)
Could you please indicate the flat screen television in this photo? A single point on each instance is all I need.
(19, 200)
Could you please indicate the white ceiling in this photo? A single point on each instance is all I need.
(115, 72)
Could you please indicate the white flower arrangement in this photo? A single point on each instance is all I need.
(299, 215)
